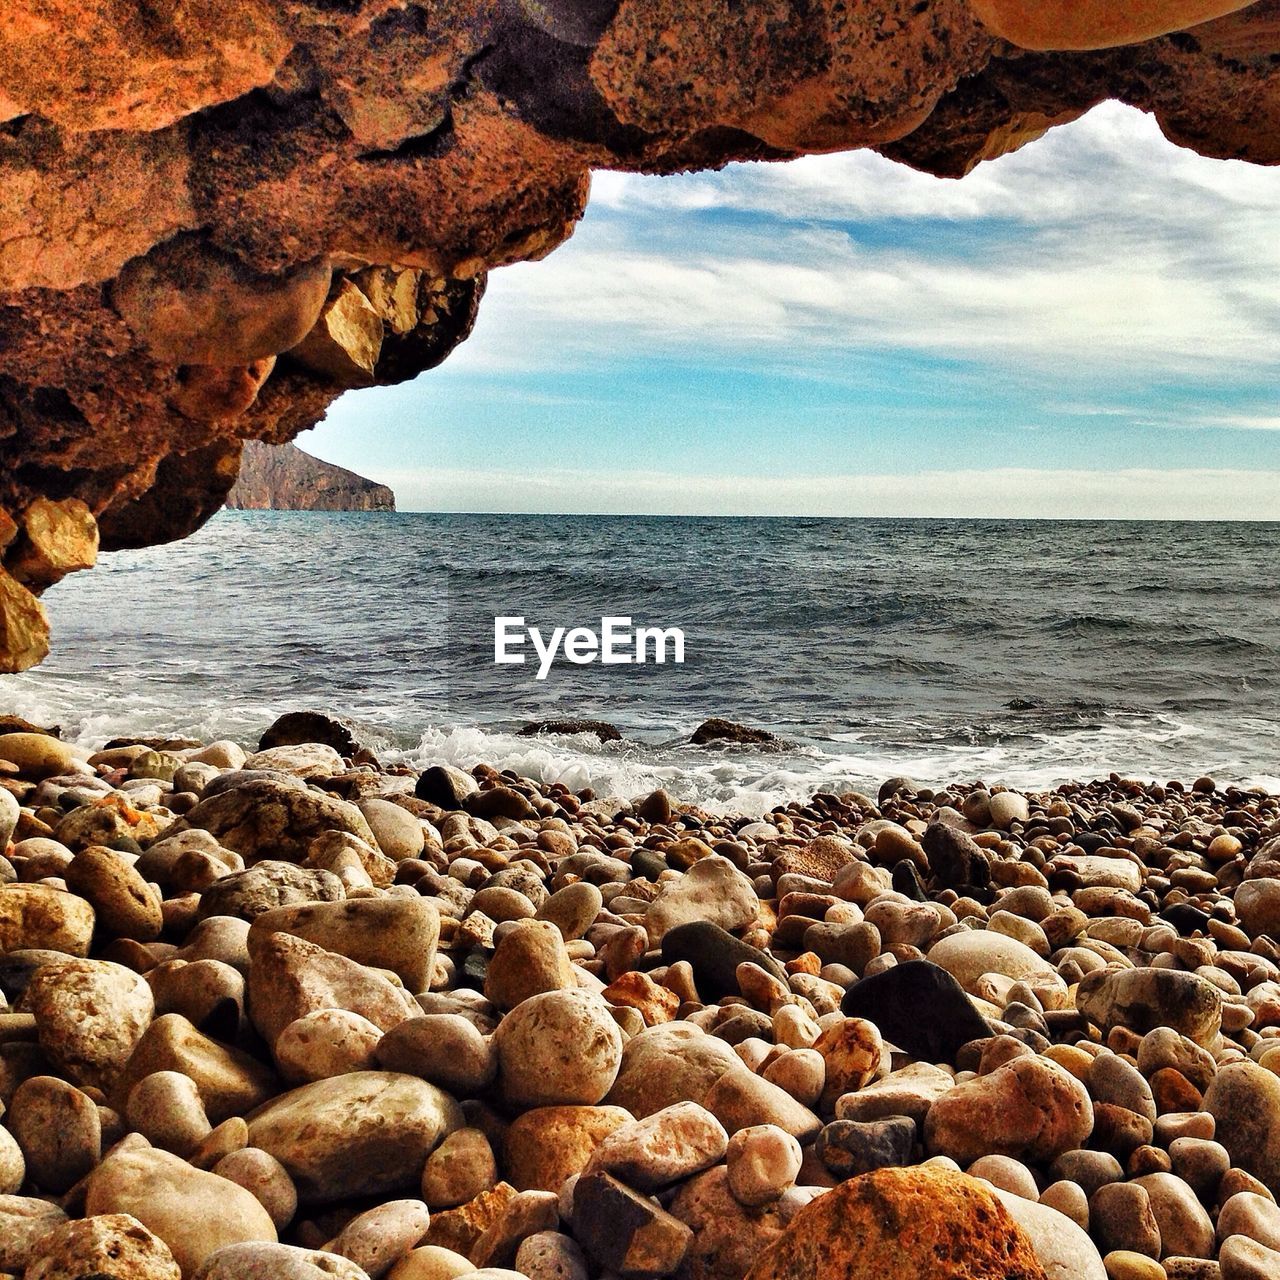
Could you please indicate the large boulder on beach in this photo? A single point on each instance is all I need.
(270, 819)
(368, 1133)
(908, 1224)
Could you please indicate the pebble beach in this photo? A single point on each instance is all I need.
(277, 1010)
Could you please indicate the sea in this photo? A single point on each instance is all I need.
(1027, 653)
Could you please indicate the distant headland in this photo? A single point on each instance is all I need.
(285, 478)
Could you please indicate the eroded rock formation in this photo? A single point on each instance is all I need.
(282, 477)
(215, 217)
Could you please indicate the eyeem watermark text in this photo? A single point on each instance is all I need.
(616, 643)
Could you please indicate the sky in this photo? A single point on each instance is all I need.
(1089, 327)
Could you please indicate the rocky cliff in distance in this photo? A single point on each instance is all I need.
(217, 216)
(281, 477)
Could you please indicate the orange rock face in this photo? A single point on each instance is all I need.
(911, 1224)
(217, 216)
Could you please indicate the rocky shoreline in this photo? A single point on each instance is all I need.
(289, 1013)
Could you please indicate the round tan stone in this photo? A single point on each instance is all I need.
(125, 906)
(1028, 1109)
(459, 1169)
(557, 1048)
(90, 1015)
(40, 917)
(265, 1178)
(38, 756)
(378, 1238)
(363, 1134)
(165, 1107)
(59, 1130)
(328, 1042)
(444, 1048)
(276, 1262)
(530, 959)
(13, 1164)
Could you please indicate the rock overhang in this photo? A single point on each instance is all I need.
(214, 222)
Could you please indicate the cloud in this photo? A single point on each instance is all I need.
(998, 492)
(1098, 251)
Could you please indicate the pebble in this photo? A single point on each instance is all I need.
(165, 1107)
(38, 916)
(459, 1169)
(668, 1146)
(851, 1147)
(899, 1222)
(712, 890)
(530, 959)
(276, 1261)
(1186, 1230)
(762, 1163)
(395, 830)
(1061, 1247)
(1007, 1174)
(399, 934)
(38, 755)
(431, 1262)
(1028, 1109)
(59, 1131)
(548, 1145)
(110, 1244)
(193, 1212)
(367, 1133)
(551, 1255)
(572, 909)
(1244, 1101)
(265, 1178)
(445, 1048)
(290, 978)
(1123, 1264)
(230, 1081)
(124, 904)
(558, 1047)
(624, 1231)
(90, 1015)
(379, 1238)
(969, 955)
(1143, 999)
(13, 1164)
(919, 1006)
(1121, 1217)
(1252, 1215)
